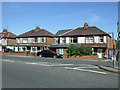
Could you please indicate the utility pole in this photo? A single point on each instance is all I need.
(118, 38)
(114, 59)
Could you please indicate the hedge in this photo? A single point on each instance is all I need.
(81, 50)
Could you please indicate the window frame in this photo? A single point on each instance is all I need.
(88, 39)
(26, 40)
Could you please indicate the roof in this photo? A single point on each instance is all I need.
(36, 32)
(91, 30)
(7, 35)
(62, 31)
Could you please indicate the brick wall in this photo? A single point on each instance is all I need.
(11, 41)
(92, 57)
(15, 53)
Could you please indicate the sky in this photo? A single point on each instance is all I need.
(20, 17)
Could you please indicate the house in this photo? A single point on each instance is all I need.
(100, 41)
(7, 40)
(34, 40)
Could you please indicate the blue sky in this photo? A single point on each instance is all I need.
(20, 17)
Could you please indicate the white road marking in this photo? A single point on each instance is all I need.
(87, 67)
(86, 70)
(45, 64)
(8, 60)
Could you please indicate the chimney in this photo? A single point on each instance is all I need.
(85, 25)
(5, 30)
(37, 28)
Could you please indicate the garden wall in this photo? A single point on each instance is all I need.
(92, 57)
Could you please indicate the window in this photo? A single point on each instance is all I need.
(33, 49)
(4, 40)
(35, 40)
(101, 39)
(61, 51)
(22, 49)
(42, 40)
(73, 39)
(89, 39)
(63, 40)
(24, 40)
(0, 41)
(56, 40)
(18, 41)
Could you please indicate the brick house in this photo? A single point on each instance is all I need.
(34, 40)
(100, 41)
(7, 40)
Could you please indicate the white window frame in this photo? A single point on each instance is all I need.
(88, 39)
(42, 38)
(32, 49)
(34, 40)
(61, 51)
(100, 39)
(57, 40)
(18, 40)
(63, 40)
(25, 40)
(0, 40)
(4, 41)
(72, 39)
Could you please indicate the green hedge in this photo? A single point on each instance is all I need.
(82, 50)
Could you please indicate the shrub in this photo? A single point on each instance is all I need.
(82, 50)
(72, 49)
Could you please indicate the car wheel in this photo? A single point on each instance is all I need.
(54, 56)
(40, 55)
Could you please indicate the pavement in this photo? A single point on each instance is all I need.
(110, 69)
(30, 72)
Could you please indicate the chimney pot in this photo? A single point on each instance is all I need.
(85, 25)
(5, 30)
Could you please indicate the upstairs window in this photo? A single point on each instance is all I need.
(4, 41)
(24, 40)
(56, 40)
(42, 40)
(18, 40)
(35, 39)
(73, 39)
(0, 40)
(101, 39)
(89, 39)
(63, 39)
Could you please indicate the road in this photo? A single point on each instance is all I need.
(30, 72)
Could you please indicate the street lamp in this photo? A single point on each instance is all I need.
(114, 59)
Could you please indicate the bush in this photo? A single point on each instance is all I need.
(72, 49)
(82, 50)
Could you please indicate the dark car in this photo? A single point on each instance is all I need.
(48, 53)
(9, 50)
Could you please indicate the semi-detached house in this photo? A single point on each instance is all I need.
(34, 40)
(100, 41)
(7, 40)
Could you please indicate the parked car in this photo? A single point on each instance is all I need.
(9, 50)
(48, 53)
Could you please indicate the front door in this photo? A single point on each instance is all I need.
(99, 53)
